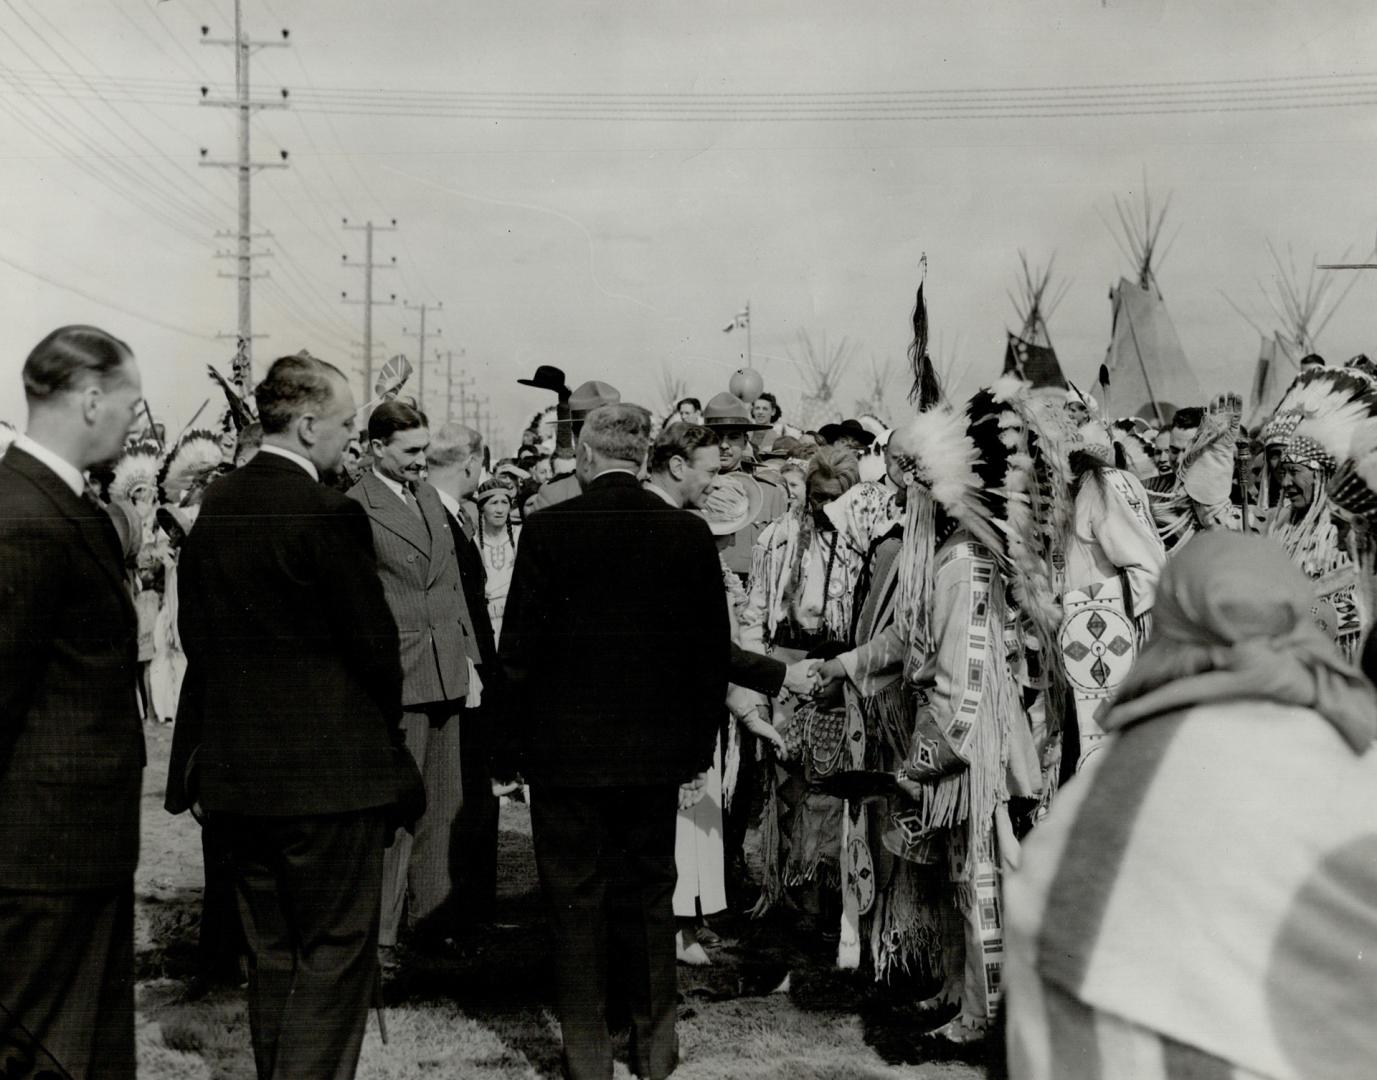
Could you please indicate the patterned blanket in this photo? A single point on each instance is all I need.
(1201, 901)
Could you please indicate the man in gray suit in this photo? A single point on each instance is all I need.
(439, 651)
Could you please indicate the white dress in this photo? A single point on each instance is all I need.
(499, 558)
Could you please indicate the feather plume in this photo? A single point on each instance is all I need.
(191, 466)
(137, 468)
(926, 392)
(241, 415)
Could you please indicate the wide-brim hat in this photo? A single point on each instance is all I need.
(786, 446)
(854, 428)
(547, 377)
(733, 503)
(728, 412)
(592, 395)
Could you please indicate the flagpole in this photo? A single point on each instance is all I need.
(748, 333)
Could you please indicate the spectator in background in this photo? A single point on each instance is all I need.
(497, 540)
(688, 410)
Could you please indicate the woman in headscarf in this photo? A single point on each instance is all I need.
(1202, 900)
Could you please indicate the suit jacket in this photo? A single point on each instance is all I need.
(420, 578)
(615, 640)
(474, 579)
(292, 647)
(71, 742)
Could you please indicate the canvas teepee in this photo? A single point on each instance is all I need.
(823, 367)
(1149, 375)
(876, 403)
(1029, 353)
(1302, 313)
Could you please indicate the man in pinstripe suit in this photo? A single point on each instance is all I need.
(420, 577)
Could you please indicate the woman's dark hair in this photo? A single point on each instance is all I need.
(775, 411)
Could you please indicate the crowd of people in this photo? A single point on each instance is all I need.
(1016, 698)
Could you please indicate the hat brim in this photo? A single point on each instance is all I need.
(755, 502)
(736, 425)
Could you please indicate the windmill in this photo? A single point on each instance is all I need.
(673, 388)
(1148, 373)
(1029, 353)
(823, 368)
(876, 404)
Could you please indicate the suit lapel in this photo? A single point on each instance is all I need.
(394, 515)
(440, 540)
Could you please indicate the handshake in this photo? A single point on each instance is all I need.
(813, 678)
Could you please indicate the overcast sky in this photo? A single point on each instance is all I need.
(601, 186)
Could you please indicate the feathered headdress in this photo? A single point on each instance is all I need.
(1353, 487)
(1316, 392)
(190, 467)
(137, 470)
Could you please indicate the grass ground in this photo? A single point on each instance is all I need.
(481, 1014)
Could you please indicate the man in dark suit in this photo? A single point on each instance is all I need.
(439, 651)
(454, 465)
(615, 642)
(283, 617)
(71, 744)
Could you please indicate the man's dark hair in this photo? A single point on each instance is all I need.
(294, 385)
(680, 440)
(697, 405)
(775, 411)
(393, 416)
(1189, 418)
(61, 358)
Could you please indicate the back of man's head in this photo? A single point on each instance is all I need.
(67, 358)
(615, 436)
(294, 386)
(453, 444)
(680, 440)
(393, 416)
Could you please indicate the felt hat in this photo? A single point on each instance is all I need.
(728, 412)
(547, 377)
(786, 446)
(592, 395)
(732, 504)
(854, 428)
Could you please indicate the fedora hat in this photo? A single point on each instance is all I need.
(547, 378)
(786, 446)
(592, 395)
(732, 504)
(729, 412)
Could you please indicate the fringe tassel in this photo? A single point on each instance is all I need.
(731, 762)
(905, 928)
(772, 882)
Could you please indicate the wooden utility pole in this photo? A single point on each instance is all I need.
(368, 266)
(421, 348)
(245, 167)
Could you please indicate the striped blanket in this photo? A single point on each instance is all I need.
(1201, 902)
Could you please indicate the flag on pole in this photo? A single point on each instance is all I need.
(740, 321)
(392, 376)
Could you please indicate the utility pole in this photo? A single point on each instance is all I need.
(463, 382)
(245, 167)
(421, 349)
(368, 266)
(449, 356)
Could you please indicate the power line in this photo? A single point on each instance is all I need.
(111, 304)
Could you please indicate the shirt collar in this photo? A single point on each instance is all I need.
(292, 455)
(654, 488)
(68, 473)
(395, 487)
(450, 502)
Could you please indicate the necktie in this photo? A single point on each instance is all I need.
(411, 501)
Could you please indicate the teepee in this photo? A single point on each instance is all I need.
(876, 403)
(1302, 313)
(1149, 375)
(823, 368)
(1029, 353)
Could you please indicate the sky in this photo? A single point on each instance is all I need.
(602, 186)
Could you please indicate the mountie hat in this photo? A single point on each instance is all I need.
(732, 504)
(728, 412)
(547, 378)
(592, 395)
